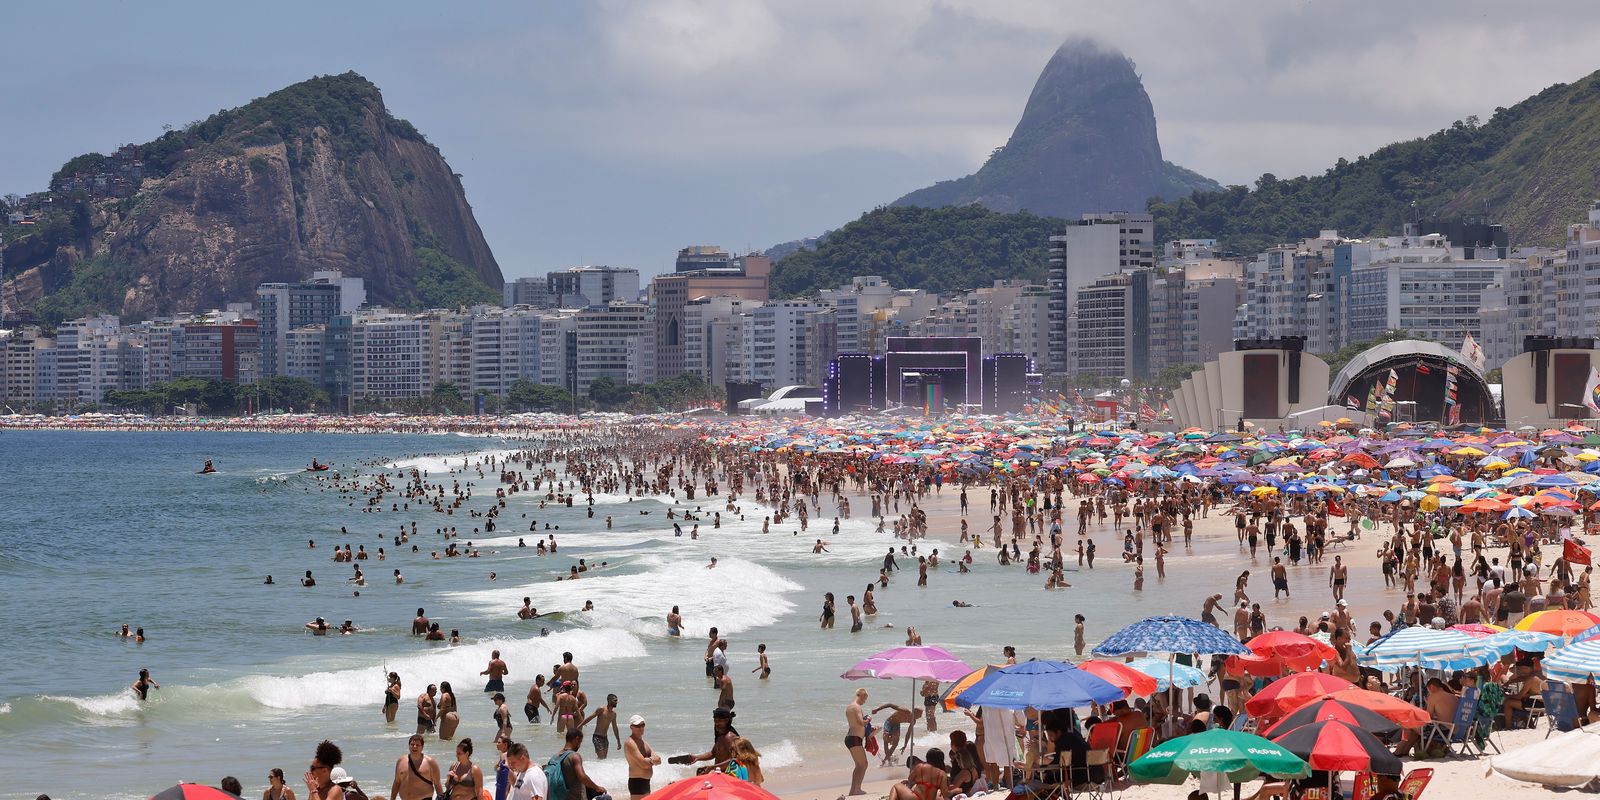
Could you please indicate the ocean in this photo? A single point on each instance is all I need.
(106, 528)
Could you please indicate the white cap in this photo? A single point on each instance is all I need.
(635, 720)
(338, 775)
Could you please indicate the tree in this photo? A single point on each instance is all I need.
(447, 397)
(607, 393)
(1170, 377)
(1342, 356)
(525, 395)
(290, 393)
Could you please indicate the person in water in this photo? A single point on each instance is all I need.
(142, 686)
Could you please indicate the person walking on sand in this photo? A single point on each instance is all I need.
(854, 741)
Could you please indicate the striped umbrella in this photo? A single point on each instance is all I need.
(1526, 641)
(1575, 663)
(1428, 648)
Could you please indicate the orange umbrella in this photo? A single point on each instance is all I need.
(1290, 646)
(1129, 680)
(711, 786)
(1394, 708)
(949, 696)
(1559, 622)
(1292, 692)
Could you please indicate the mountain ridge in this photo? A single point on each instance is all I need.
(1086, 142)
(317, 175)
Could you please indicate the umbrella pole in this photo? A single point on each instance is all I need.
(911, 729)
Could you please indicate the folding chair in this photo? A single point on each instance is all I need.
(1102, 743)
(1415, 781)
(1240, 723)
(1138, 744)
(1560, 709)
(1457, 732)
(1365, 787)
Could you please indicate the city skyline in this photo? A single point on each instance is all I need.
(619, 133)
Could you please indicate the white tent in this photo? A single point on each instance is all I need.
(1568, 759)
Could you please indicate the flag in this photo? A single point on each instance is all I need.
(1471, 352)
(1422, 369)
(1333, 508)
(1352, 402)
(1146, 413)
(1591, 391)
(1575, 553)
(1454, 417)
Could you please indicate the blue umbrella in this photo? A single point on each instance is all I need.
(1170, 634)
(1042, 685)
(1167, 673)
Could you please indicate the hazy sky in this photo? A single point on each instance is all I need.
(617, 132)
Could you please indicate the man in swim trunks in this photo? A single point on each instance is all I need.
(419, 626)
(854, 743)
(142, 686)
(723, 735)
(427, 710)
(891, 728)
(642, 760)
(497, 672)
(605, 725)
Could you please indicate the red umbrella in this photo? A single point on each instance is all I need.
(710, 786)
(1290, 646)
(1292, 692)
(193, 791)
(1337, 747)
(1329, 708)
(1122, 676)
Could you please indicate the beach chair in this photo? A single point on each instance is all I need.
(1240, 724)
(1415, 781)
(1457, 732)
(1138, 744)
(1365, 787)
(1560, 709)
(1102, 743)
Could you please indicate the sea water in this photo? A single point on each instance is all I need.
(102, 528)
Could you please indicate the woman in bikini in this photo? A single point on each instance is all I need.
(466, 779)
(928, 780)
(391, 698)
(276, 788)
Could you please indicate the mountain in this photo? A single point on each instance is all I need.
(1086, 142)
(938, 249)
(1533, 167)
(318, 175)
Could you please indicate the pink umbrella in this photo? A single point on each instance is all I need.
(915, 663)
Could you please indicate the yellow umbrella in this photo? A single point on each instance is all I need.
(1468, 450)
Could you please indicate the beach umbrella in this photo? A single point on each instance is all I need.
(1238, 756)
(917, 663)
(1387, 706)
(1168, 673)
(1575, 663)
(1041, 685)
(963, 683)
(1526, 641)
(1428, 648)
(1131, 681)
(1290, 646)
(1558, 622)
(1569, 759)
(193, 791)
(711, 786)
(1328, 707)
(1337, 747)
(1477, 630)
(1169, 634)
(1281, 696)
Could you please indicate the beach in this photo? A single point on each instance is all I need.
(185, 556)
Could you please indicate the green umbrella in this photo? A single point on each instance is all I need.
(1240, 756)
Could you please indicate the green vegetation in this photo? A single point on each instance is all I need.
(938, 249)
(212, 396)
(97, 285)
(674, 394)
(444, 282)
(1533, 167)
(525, 395)
(1337, 360)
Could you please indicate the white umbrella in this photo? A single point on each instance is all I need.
(1400, 463)
(1569, 759)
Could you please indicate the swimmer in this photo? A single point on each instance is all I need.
(713, 563)
(348, 628)
(674, 622)
(960, 604)
(318, 627)
(527, 611)
(141, 687)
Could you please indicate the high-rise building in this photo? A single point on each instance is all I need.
(1112, 338)
(579, 287)
(532, 292)
(282, 307)
(702, 256)
(610, 343)
(776, 343)
(391, 356)
(1087, 249)
(702, 272)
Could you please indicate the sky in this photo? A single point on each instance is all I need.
(617, 131)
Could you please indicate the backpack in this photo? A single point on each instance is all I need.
(555, 777)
